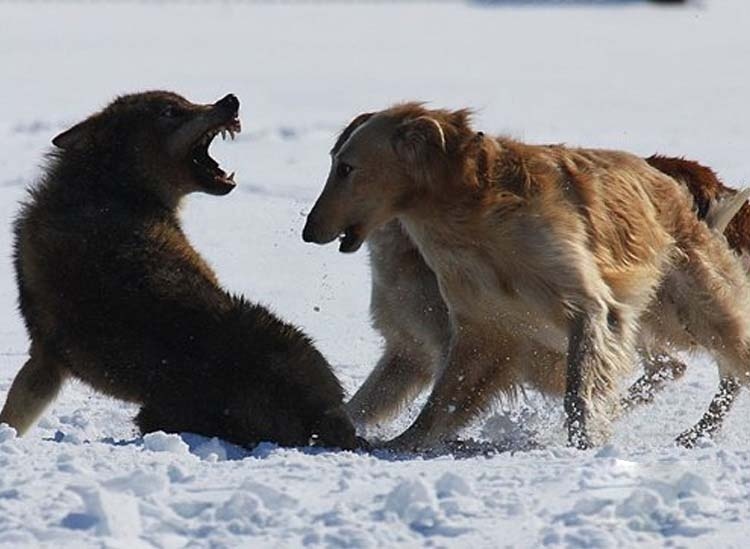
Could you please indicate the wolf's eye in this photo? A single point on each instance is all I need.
(170, 112)
(343, 170)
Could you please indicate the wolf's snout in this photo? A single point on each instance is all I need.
(228, 102)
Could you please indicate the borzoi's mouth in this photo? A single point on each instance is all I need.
(351, 239)
(207, 170)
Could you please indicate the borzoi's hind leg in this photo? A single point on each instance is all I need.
(659, 370)
(34, 387)
(401, 373)
(712, 293)
(714, 417)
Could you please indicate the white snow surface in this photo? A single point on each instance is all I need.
(636, 77)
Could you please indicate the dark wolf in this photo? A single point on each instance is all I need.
(113, 293)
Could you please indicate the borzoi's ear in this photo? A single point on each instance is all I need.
(417, 138)
(79, 137)
(349, 130)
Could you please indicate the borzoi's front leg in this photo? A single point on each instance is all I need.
(401, 373)
(476, 370)
(599, 353)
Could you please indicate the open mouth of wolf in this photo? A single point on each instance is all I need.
(207, 170)
(351, 239)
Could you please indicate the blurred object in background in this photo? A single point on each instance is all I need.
(578, 2)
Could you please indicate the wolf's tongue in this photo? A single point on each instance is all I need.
(202, 158)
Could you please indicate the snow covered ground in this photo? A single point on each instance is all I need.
(637, 77)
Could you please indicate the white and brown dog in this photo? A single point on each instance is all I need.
(553, 265)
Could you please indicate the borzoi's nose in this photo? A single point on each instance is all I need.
(308, 233)
(317, 231)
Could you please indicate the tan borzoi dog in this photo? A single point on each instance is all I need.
(544, 255)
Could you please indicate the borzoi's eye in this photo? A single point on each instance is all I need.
(343, 170)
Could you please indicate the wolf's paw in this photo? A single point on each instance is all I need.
(334, 430)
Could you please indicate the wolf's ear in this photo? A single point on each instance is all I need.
(416, 138)
(79, 137)
(349, 130)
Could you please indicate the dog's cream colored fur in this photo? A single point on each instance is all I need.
(553, 262)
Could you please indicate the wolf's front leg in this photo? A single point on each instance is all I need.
(599, 354)
(476, 369)
(34, 387)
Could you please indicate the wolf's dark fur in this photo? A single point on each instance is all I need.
(113, 294)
